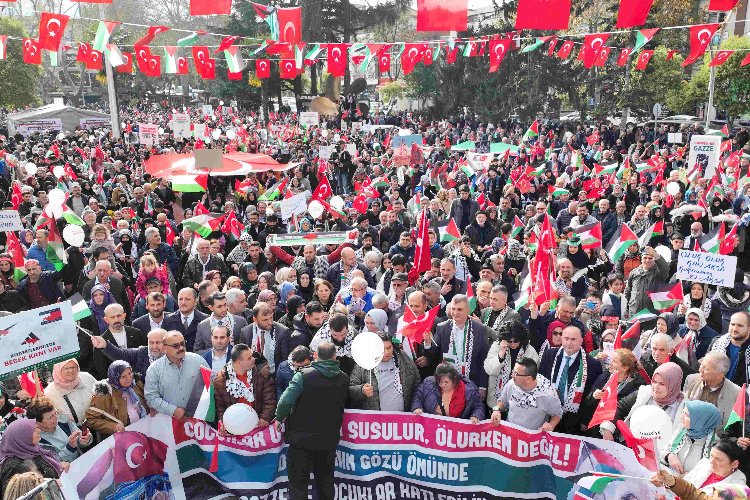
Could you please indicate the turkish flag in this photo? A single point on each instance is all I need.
(451, 54)
(412, 54)
(262, 68)
(422, 249)
(17, 198)
(543, 14)
(565, 49)
(200, 55)
(360, 203)
(209, 69)
(721, 57)
(700, 37)
(498, 49)
(428, 56)
(633, 13)
(83, 52)
(624, 55)
(602, 56)
(592, 44)
(337, 58)
(210, 7)
(154, 65)
(136, 456)
(721, 5)
(552, 44)
(234, 76)
(31, 52)
(384, 62)
(645, 449)
(182, 66)
(607, 406)
(287, 69)
(142, 55)
(290, 25)
(442, 15)
(415, 327)
(51, 28)
(95, 60)
(643, 59)
(745, 61)
(152, 32)
(127, 67)
(323, 191)
(227, 42)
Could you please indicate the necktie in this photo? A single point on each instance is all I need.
(262, 342)
(563, 382)
(185, 322)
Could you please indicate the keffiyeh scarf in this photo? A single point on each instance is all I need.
(462, 365)
(324, 334)
(505, 369)
(574, 394)
(528, 399)
(236, 387)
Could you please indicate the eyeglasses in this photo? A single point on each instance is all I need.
(557, 333)
(516, 374)
(177, 345)
(514, 341)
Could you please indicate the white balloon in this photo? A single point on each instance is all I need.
(30, 168)
(54, 210)
(665, 252)
(651, 422)
(337, 202)
(239, 419)
(216, 134)
(161, 130)
(58, 171)
(324, 133)
(367, 350)
(73, 235)
(56, 197)
(60, 136)
(375, 145)
(231, 134)
(269, 210)
(336, 137)
(315, 208)
(673, 188)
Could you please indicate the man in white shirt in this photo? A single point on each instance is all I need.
(117, 334)
(221, 352)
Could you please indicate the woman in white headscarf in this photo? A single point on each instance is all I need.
(697, 336)
(376, 320)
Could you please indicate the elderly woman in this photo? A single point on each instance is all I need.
(554, 336)
(698, 336)
(665, 392)
(666, 323)
(20, 444)
(716, 474)
(117, 402)
(692, 441)
(58, 433)
(71, 390)
(101, 297)
(449, 394)
(512, 346)
(306, 286)
(376, 320)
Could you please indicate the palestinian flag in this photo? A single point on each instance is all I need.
(470, 295)
(170, 60)
(657, 229)
(738, 412)
(190, 183)
(313, 54)
(517, 227)
(274, 192)
(103, 32)
(448, 230)
(533, 46)
(621, 240)
(55, 250)
(233, 56)
(712, 241)
(200, 405)
(317, 238)
(17, 253)
(70, 216)
(575, 160)
(532, 132)
(557, 191)
(598, 155)
(535, 171)
(595, 484)
(80, 307)
(590, 234)
(188, 41)
(602, 170)
(643, 37)
(666, 297)
(204, 224)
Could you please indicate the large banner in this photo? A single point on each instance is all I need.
(37, 337)
(705, 150)
(28, 127)
(381, 456)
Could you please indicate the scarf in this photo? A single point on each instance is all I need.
(58, 379)
(393, 303)
(236, 388)
(500, 317)
(324, 334)
(397, 385)
(528, 399)
(458, 400)
(672, 375)
(98, 310)
(574, 394)
(463, 366)
(114, 372)
(462, 268)
(379, 317)
(725, 295)
(16, 443)
(319, 267)
(505, 368)
(227, 321)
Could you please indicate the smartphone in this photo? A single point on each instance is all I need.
(84, 426)
(590, 304)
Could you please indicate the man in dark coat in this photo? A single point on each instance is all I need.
(187, 318)
(117, 334)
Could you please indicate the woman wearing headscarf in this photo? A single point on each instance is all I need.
(100, 299)
(554, 336)
(665, 392)
(306, 284)
(71, 390)
(698, 336)
(118, 401)
(21, 443)
(9, 412)
(666, 323)
(286, 291)
(294, 306)
(376, 320)
(696, 296)
(693, 440)
(7, 271)
(512, 346)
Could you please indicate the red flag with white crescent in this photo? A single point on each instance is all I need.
(607, 407)
(700, 38)
(51, 28)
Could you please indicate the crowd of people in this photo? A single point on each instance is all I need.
(272, 322)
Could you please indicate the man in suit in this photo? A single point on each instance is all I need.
(463, 343)
(104, 277)
(262, 334)
(572, 372)
(221, 352)
(217, 304)
(498, 313)
(155, 318)
(119, 335)
(711, 385)
(187, 318)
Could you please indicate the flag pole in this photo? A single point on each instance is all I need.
(621, 476)
(87, 332)
(113, 111)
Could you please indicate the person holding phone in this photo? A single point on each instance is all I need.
(59, 434)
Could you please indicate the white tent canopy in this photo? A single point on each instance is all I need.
(55, 117)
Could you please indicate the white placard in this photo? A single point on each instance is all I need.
(87, 123)
(207, 109)
(324, 152)
(705, 149)
(199, 131)
(28, 127)
(295, 205)
(674, 138)
(352, 149)
(10, 220)
(344, 126)
(703, 267)
(148, 134)
(181, 125)
(356, 126)
(309, 118)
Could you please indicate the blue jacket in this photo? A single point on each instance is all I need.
(705, 336)
(165, 253)
(36, 252)
(427, 398)
(47, 285)
(284, 374)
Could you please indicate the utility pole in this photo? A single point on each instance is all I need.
(114, 115)
(714, 44)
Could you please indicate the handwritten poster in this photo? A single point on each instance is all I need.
(702, 267)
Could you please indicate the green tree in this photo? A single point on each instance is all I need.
(18, 81)
(661, 82)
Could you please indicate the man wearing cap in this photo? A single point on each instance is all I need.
(272, 227)
(464, 209)
(480, 233)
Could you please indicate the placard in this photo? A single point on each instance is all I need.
(703, 267)
(28, 127)
(87, 123)
(148, 134)
(10, 220)
(295, 205)
(181, 125)
(410, 139)
(309, 118)
(199, 131)
(207, 109)
(207, 159)
(706, 150)
(356, 127)
(324, 152)
(674, 138)
(352, 149)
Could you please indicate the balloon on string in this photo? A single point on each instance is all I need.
(58, 171)
(650, 422)
(239, 419)
(216, 134)
(324, 133)
(336, 137)
(337, 202)
(367, 350)
(673, 188)
(315, 208)
(30, 168)
(74, 235)
(54, 210)
(231, 134)
(56, 197)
